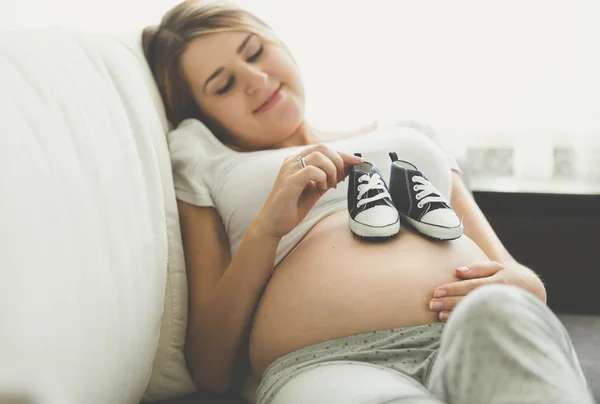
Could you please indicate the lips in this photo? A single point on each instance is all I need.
(268, 100)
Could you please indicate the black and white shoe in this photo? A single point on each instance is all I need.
(420, 204)
(370, 207)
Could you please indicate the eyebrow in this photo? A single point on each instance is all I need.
(221, 69)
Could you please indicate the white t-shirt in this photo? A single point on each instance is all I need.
(236, 184)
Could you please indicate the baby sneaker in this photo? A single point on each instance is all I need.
(420, 204)
(370, 207)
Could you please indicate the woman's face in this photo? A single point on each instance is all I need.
(250, 86)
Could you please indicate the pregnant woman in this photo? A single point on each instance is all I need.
(279, 286)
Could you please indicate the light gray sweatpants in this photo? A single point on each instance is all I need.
(500, 346)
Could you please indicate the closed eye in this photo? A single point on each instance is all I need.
(227, 86)
(231, 80)
(256, 55)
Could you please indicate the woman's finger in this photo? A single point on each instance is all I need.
(444, 303)
(331, 154)
(346, 161)
(341, 160)
(460, 288)
(309, 173)
(322, 161)
(350, 159)
(479, 270)
(337, 160)
(444, 316)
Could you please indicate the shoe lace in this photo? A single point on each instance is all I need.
(427, 189)
(368, 183)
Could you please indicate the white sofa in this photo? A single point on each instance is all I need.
(93, 297)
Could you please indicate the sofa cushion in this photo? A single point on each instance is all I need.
(585, 334)
(89, 223)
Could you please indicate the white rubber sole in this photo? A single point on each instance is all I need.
(433, 231)
(363, 230)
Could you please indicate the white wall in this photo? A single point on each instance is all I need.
(507, 72)
(497, 66)
(510, 65)
(93, 15)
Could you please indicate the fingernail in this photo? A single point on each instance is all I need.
(444, 316)
(435, 305)
(464, 269)
(439, 293)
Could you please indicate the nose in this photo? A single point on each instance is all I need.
(254, 78)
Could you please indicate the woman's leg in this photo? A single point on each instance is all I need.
(503, 345)
(352, 383)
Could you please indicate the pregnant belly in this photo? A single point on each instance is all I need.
(334, 284)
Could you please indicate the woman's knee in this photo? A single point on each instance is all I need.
(498, 303)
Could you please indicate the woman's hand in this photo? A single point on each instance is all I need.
(297, 189)
(447, 296)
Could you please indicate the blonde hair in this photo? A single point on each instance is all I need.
(164, 44)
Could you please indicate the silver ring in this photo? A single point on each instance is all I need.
(301, 160)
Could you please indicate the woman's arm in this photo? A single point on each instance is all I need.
(223, 293)
(477, 228)
(225, 290)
